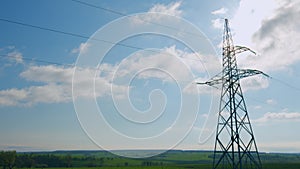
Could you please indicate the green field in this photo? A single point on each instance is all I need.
(173, 159)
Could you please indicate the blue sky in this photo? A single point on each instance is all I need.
(37, 111)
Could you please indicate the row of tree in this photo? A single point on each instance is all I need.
(10, 159)
(7, 159)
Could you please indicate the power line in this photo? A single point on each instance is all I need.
(36, 60)
(99, 7)
(109, 71)
(285, 83)
(44, 28)
(78, 36)
(67, 33)
(123, 14)
(101, 40)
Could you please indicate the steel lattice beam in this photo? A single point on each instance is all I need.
(235, 146)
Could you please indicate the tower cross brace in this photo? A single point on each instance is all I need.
(235, 146)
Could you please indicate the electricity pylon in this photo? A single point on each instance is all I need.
(235, 146)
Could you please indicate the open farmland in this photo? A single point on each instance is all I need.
(172, 159)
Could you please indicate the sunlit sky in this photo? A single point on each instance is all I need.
(40, 42)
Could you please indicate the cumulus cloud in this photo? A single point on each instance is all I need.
(167, 63)
(170, 9)
(13, 55)
(35, 94)
(83, 47)
(248, 17)
(11, 97)
(57, 81)
(16, 56)
(278, 38)
(278, 116)
(48, 74)
(154, 12)
(220, 11)
(56, 86)
(53, 84)
(217, 23)
(272, 30)
(256, 82)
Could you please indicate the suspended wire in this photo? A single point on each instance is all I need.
(35, 60)
(105, 41)
(101, 40)
(67, 33)
(285, 83)
(99, 7)
(109, 71)
(44, 28)
(123, 14)
(80, 36)
(256, 100)
(264, 102)
(53, 63)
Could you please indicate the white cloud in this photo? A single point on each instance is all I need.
(220, 11)
(166, 64)
(271, 101)
(217, 23)
(16, 56)
(34, 94)
(280, 116)
(55, 82)
(83, 47)
(254, 83)
(13, 55)
(278, 38)
(154, 13)
(11, 97)
(248, 17)
(271, 28)
(170, 9)
(48, 74)
(56, 86)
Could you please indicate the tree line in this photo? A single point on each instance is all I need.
(11, 159)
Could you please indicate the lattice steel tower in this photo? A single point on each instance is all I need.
(235, 146)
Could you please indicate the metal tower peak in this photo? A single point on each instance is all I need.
(235, 146)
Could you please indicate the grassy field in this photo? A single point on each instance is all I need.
(199, 166)
(174, 159)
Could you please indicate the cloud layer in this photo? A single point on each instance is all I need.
(278, 116)
(272, 30)
(53, 84)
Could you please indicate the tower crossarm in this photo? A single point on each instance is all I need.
(217, 79)
(240, 49)
(242, 73)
